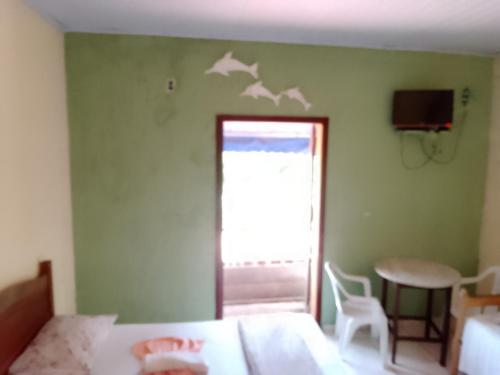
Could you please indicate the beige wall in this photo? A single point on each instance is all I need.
(490, 233)
(35, 205)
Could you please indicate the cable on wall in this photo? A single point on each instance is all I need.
(426, 161)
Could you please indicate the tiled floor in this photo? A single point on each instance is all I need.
(361, 356)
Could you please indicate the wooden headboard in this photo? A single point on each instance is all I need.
(24, 309)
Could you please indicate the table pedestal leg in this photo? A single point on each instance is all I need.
(384, 294)
(395, 318)
(446, 327)
(428, 317)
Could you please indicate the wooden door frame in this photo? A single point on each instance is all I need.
(219, 143)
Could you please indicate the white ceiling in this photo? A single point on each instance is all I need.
(465, 26)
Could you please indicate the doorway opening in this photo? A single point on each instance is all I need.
(271, 175)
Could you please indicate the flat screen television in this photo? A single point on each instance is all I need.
(423, 110)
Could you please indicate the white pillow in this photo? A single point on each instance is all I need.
(65, 345)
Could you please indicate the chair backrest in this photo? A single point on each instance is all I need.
(495, 288)
(338, 290)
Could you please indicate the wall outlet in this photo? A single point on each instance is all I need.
(170, 85)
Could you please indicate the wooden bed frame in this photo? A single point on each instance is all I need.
(24, 309)
(466, 302)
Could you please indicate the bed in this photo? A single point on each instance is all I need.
(476, 343)
(26, 307)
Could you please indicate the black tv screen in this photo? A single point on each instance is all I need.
(423, 109)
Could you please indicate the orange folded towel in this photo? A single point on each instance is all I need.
(173, 372)
(168, 344)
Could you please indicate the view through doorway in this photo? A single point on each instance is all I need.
(271, 177)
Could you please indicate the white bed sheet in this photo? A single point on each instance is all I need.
(222, 348)
(480, 353)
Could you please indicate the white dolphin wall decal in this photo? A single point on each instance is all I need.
(257, 89)
(296, 94)
(228, 64)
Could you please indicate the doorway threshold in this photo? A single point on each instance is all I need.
(236, 310)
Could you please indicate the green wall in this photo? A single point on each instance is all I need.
(143, 163)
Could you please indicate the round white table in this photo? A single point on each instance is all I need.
(406, 272)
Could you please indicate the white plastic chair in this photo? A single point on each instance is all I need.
(495, 289)
(354, 312)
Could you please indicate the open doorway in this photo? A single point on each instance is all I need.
(271, 174)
